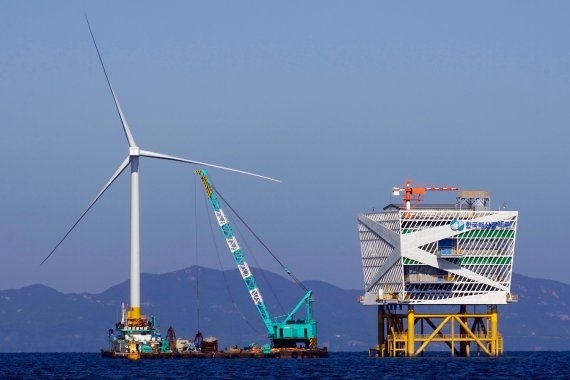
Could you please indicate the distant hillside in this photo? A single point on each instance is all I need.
(39, 319)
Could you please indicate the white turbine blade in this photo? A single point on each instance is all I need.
(111, 180)
(126, 129)
(146, 153)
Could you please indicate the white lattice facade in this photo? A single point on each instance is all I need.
(437, 256)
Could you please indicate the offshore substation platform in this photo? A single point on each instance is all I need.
(437, 273)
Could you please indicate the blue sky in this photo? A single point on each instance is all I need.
(340, 100)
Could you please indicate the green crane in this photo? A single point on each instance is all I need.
(284, 332)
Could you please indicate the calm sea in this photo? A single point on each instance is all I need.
(357, 365)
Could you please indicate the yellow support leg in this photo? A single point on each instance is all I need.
(494, 331)
(411, 334)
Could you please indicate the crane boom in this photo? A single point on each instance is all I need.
(236, 251)
(417, 193)
(282, 333)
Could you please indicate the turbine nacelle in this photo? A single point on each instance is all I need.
(134, 151)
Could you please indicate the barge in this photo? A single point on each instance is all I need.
(139, 338)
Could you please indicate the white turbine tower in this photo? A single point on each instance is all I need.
(133, 160)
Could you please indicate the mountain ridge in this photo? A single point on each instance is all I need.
(37, 318)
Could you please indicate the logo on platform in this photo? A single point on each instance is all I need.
(501, 224)
(457, 225)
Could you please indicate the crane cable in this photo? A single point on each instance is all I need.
(196, 252)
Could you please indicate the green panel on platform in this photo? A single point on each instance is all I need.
(488, 234)
(486, 260)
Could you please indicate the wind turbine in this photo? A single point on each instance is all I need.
(132, 160)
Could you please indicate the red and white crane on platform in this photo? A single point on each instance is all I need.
(416, 194)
